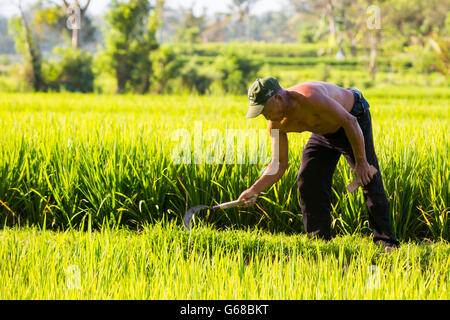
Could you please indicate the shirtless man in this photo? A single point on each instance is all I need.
(340, 122)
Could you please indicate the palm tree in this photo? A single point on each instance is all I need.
(214, 29)
(241, 8)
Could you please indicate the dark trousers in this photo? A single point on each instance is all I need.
(319, 159)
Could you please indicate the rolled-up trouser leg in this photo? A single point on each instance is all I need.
(314, 182)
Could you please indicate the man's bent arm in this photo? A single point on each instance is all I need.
(277, 166)
(268, 180)
(356, 139)
(335, 112)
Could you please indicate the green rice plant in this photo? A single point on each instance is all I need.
(163, 261)
(72, 160)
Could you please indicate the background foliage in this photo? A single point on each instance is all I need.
(329, 39)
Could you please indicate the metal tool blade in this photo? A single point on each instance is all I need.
(188, 216)
(190, 213)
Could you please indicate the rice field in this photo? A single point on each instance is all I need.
(68, 159)
(163, 261)
(92, 193)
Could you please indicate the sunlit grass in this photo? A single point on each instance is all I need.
(103, 164)
(166, 262)
(67, 158)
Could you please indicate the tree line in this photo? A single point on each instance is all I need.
(133, 43)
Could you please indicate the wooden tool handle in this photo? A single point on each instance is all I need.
(354, 184)
(231, 204)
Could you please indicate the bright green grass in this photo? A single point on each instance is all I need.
(169, 263)
(66, 158)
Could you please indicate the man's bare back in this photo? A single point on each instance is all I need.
(303, 115)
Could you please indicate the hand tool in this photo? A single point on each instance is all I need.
(188, 216)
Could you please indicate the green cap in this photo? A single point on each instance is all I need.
(259, 92)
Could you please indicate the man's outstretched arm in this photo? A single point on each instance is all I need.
(274, 171)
